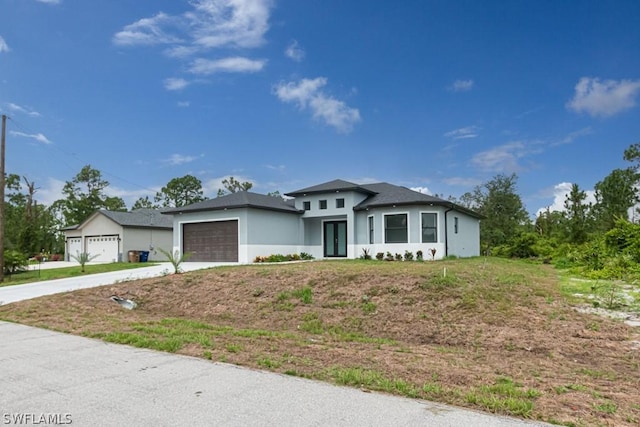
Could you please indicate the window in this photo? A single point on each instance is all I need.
(306, 206)
(455, 224)
(339, 203)
(371, 230)
(323, 204)
(429, 228)
(395, 228)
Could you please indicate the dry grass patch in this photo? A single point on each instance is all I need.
(492, 334)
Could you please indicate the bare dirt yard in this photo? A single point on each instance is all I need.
(489, 334)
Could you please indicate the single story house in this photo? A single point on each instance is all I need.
(110, 235)
(335, 219)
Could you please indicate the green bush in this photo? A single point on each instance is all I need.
(14, 262)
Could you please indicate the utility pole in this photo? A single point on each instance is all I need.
(2, 147)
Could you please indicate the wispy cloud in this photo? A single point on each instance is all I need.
(183, 104)
(463, 133)
(23, 110)
(603, 98)
(50, 1)
(279, 168)
(179, 159)
(226, 65)
(175, 83)
(461, 85)
(209, 24)
(37, 136)
(462, 182)
(307, 93)
(504, 158)
(294, 51)
(572, 136)
(4, 47)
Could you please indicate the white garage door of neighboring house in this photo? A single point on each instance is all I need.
(74, 247)
(103, 248)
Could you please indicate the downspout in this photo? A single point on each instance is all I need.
(446, 232)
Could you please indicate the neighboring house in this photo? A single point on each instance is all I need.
(109, 235)
(334, 219)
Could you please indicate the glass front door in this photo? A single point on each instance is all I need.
(335, 239)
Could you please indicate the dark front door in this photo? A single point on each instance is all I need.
(335, 239)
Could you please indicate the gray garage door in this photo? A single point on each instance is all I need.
(211, 241)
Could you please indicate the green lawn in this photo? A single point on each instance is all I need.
(61, 273)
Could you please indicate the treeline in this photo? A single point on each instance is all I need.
(35, 229)
(597, 239)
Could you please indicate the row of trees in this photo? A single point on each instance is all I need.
(576, 235)
(32, 228)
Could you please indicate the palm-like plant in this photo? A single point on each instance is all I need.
(83, 258)
(175, 258)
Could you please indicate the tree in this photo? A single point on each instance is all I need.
(180, 192)
(615, 194)
(505, 215)
(232, 185)
(576, 214)
(85, 193)
(143, 203)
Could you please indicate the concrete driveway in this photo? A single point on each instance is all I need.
(15, 293)
(86, 382)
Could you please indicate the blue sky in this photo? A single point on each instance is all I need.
(438, 96)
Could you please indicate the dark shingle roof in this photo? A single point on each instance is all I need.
(240, 199)
(139, 218)
(330, 187)
(393, 195)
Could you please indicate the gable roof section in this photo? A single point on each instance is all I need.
(148, 218)
(240, 199)
(334, 186)
(393, 195)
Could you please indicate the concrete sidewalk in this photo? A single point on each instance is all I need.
(9, 294)
(92, 383)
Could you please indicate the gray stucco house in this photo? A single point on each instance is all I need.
(110, 235)
(335, 219)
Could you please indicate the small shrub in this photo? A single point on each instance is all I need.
(305, 256)
(389, 257)
(83, 258)
(380, 256)
(408, 256)
(366, 254)
(175, 258)
(419, 256)
(14, 261)
(398, 257)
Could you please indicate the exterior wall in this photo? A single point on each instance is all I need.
(147, 239)
(100, 225)
(351, 199)
(464, 244)
(270, 232)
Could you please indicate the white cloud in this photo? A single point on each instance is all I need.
(226, 65)
(50, 1)
(572, 136)
(462, 85)
(295, 52)
(604, 98)
(559, 194)
(179, 159)
(279, 168)
(463, 133)
(211, 186)
(24, 110)
(4, 47)
(423, 190)
(147, 31)
(37, 136)
(183, 104)
(307, 94)
(504, 158)
(210, 24)
(175, 83)
(51, 192)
